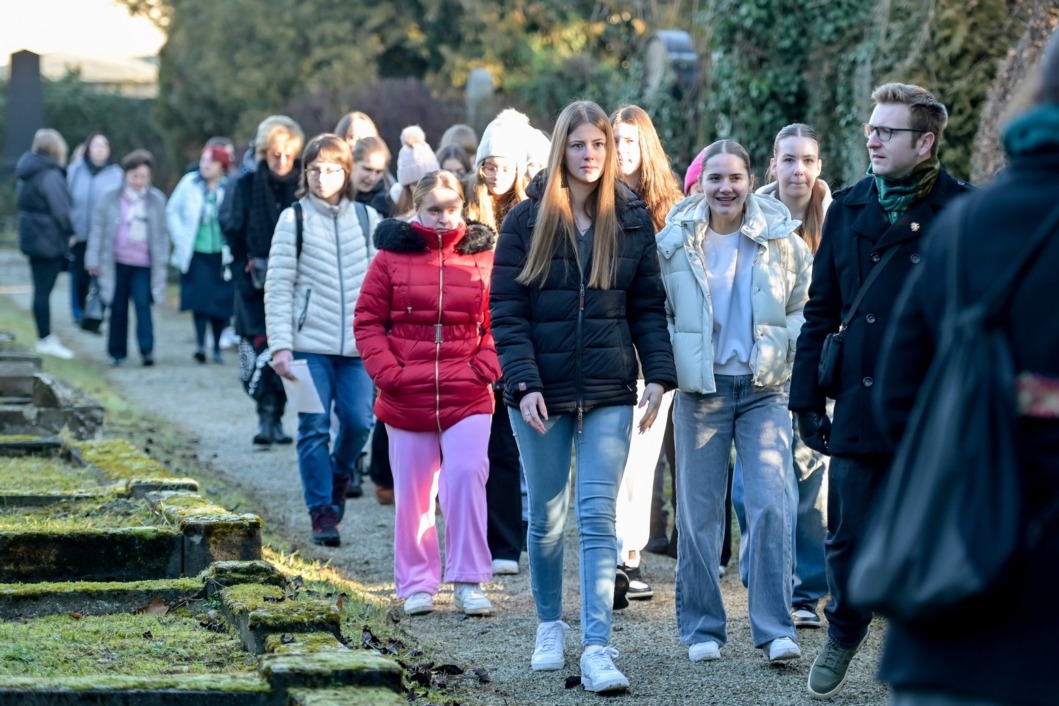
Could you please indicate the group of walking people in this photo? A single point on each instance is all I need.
(528, 312)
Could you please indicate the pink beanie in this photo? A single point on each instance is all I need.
(694, 172)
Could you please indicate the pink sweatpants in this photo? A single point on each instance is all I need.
(455, 462)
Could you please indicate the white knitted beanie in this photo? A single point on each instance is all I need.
(415, 159)
(505, 137)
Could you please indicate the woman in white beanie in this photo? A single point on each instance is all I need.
(415, 160)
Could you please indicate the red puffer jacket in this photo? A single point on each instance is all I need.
(422, 324)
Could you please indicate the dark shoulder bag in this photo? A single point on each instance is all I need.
(259, 265)
(948, 521)
(829, 369)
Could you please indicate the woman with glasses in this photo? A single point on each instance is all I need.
(316, 265)
(496, 186)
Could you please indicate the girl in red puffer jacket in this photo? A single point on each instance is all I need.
(422, 327)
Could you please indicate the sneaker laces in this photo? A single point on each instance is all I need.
(602, 659)
(550, 638)
(834, 656)
(470, 592)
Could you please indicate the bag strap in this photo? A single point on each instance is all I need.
(299, 228)
(362, 215)
(865, 286)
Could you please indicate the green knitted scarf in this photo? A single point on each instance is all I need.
(1034, 131)
(897, 195)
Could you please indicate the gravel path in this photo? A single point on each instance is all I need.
(207, 403)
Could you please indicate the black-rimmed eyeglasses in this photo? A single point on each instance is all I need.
(885, 133)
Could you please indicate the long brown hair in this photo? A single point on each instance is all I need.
(659, 187)
(554, 229)
(812, 226)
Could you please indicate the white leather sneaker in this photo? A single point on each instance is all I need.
(704, 651)
(549, 652)
(598, 672)
(780, 650)
(505, 567)
(471, 600)
(419, 604)
(50, 345)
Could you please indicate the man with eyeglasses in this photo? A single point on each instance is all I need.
(878, 222)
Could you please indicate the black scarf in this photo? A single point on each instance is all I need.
(269, 195)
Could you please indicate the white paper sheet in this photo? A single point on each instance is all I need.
(302, 394)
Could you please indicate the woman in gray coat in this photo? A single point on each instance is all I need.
(128, 248)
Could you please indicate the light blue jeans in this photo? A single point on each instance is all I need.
(600, 451)
(808, 488)
(704, 427)
(342, 381)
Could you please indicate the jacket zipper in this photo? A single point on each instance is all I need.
(341, 289)
(305, 308)
(580, 382)
(437, 336)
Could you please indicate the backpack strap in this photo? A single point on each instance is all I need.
(362, 215)
(299, 228)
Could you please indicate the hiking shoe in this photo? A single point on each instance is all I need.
(828, 674)
(548, 653)
(505, 567)
(325, 526)
(339, 484)
(621, 590)
(805, 616)
(419, 604)
(704, 651)
(148, 360)
(471, 600)
(781, 649)
(199, 355)
(384, 495)
(639, 589)
(598, 672)
(50, 345)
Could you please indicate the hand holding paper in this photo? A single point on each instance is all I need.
(301, 390)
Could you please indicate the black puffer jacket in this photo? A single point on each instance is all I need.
(44, 223)
(378, 198)
(580, 355)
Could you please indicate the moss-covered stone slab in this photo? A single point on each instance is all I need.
(346, 696)
(330, 669)
(117, 459)
(33, 600)
(221, 574)
(189, 690)
(303, 643)
(80, 514)
(23, 444)
(211, 533)
(257, 611)
(124, 554)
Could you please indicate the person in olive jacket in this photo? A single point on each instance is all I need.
(44, 227)
(576, 297)
(888, 211)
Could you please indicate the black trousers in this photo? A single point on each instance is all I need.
(79, 279)
(503, 490)
(380, 471)
(44, 273)
(852, 486)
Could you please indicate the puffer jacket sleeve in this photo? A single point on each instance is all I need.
(802, 272)
(647, 315)
(177, 214)
(57, 194)
(485, 360)
(233, 216)
(279, 284)
(371, 321)
(510, 306)
(94, 245)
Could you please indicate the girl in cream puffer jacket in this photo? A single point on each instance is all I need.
(781, 273)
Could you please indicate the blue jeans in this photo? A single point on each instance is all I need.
(600, 450)
(342, 381)
(130, 282)
(808, 489)
(704, 427)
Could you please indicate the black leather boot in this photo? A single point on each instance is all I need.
(263, 437)
(279, 436)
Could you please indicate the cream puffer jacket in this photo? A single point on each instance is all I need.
(309, 300)
(780, 285)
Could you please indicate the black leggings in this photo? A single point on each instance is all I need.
(45, 272)
(218, 324)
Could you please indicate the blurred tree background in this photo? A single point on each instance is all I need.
(763, 64)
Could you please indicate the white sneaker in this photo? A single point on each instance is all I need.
(780, 650)
(228, 338)
(704, 651)
(505, 567)
(598, 672)
(471, 600)
(419, 604)
(549, 652)
(50, 345)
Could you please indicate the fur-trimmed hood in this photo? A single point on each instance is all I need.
(399, 236)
